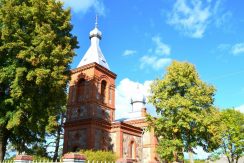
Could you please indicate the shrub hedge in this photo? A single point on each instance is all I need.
(99, 155)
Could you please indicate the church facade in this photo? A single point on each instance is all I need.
(90, 121)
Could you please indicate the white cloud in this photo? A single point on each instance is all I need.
(224, 47)
(221, 16)
(85, 5)
(154, 62)
(237, 49)
(190, 17)
(161, 48)
(124, 91)
(240, 108)
(223, 19)
(129, 52)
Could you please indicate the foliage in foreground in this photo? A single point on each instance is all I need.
(99, 155)
(36, 48)
(195, 161)
(186, 116)
(232, 144)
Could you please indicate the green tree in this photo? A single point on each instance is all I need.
(233, 135)
(186, 116)
(55, 138)
(58, 135)
(36, 48)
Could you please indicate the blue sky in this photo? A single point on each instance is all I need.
(141, 37)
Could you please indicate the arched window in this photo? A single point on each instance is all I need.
(103, 90)
(132, 150)
(80, 89)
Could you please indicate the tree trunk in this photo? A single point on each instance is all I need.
(228, 159)
(57, 140)
(191, 159)
(1, 146)
(237, 158)
(232, 153)
(175, 156)
(55, 156)
(3, 143)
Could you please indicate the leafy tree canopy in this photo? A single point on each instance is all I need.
(36, 48)
(186, 116)
(233, 135)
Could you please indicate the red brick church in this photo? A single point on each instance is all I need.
(91, 122)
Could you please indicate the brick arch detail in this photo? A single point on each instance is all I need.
(132, 148)
(108, 86)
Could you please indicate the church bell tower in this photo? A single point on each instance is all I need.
(91, 101)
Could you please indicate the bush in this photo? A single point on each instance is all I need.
(40, 158)
(195, 161)
(99, 155)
